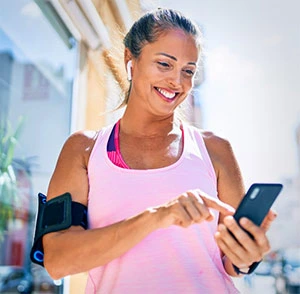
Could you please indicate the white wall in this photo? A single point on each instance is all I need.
(251, 89)
(251, 92)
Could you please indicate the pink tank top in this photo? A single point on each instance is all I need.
(171, 260)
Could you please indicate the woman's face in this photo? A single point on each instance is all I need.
(162, 76)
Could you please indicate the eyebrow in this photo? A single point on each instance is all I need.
(173, 57)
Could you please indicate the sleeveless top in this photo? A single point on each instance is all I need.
(169, 260)
(113, 146)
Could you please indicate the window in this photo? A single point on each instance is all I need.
(37, 70)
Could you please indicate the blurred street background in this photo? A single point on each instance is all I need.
(61, 70)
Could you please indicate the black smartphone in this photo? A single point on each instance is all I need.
(257, 202)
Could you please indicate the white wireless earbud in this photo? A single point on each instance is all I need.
(129, 65)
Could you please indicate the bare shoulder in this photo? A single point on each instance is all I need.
(80, 143)
(70, 174)
(229, 177)
(81, 139)
(218, 147)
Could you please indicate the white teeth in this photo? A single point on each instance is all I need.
(166, 93)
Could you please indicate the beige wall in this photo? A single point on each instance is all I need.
(77, 283)
(96, 93)
(106, 77)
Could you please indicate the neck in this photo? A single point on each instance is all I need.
(139, 125)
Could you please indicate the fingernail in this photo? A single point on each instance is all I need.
(230, 208)
(221, 227)
(228, 220)
(243, 221)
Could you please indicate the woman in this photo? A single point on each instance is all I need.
(159, 192)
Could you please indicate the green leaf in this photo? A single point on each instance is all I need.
(9, 192)
(8, 141)
(11, 144)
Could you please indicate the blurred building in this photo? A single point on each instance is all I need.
(284, 232)
(62, 70)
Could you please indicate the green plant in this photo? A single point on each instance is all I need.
(8, 182)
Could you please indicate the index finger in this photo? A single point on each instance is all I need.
(217, 204)
(270, 217)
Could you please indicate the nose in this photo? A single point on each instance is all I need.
(174, 79)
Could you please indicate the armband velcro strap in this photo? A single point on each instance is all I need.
(251, 269)
(54, 215)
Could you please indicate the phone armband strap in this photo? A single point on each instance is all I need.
(247, 271)
(54, 215)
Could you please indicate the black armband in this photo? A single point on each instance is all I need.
(54, 215)
(249, 271)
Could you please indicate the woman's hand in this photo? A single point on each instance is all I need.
(241, 249)
(189, 208)
(271, 216)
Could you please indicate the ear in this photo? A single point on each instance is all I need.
(127, 56)
(128, 63)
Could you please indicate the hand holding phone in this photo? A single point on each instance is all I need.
(255, 206)
(257, 202)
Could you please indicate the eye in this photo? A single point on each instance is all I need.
(189, 72)
(163, 64)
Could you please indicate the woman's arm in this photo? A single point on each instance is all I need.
(242, 251)
(77, 250)
(230, 183)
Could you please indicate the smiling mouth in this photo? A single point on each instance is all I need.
(166, 94)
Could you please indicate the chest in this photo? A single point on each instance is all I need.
(117, 193)
(150, 153)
